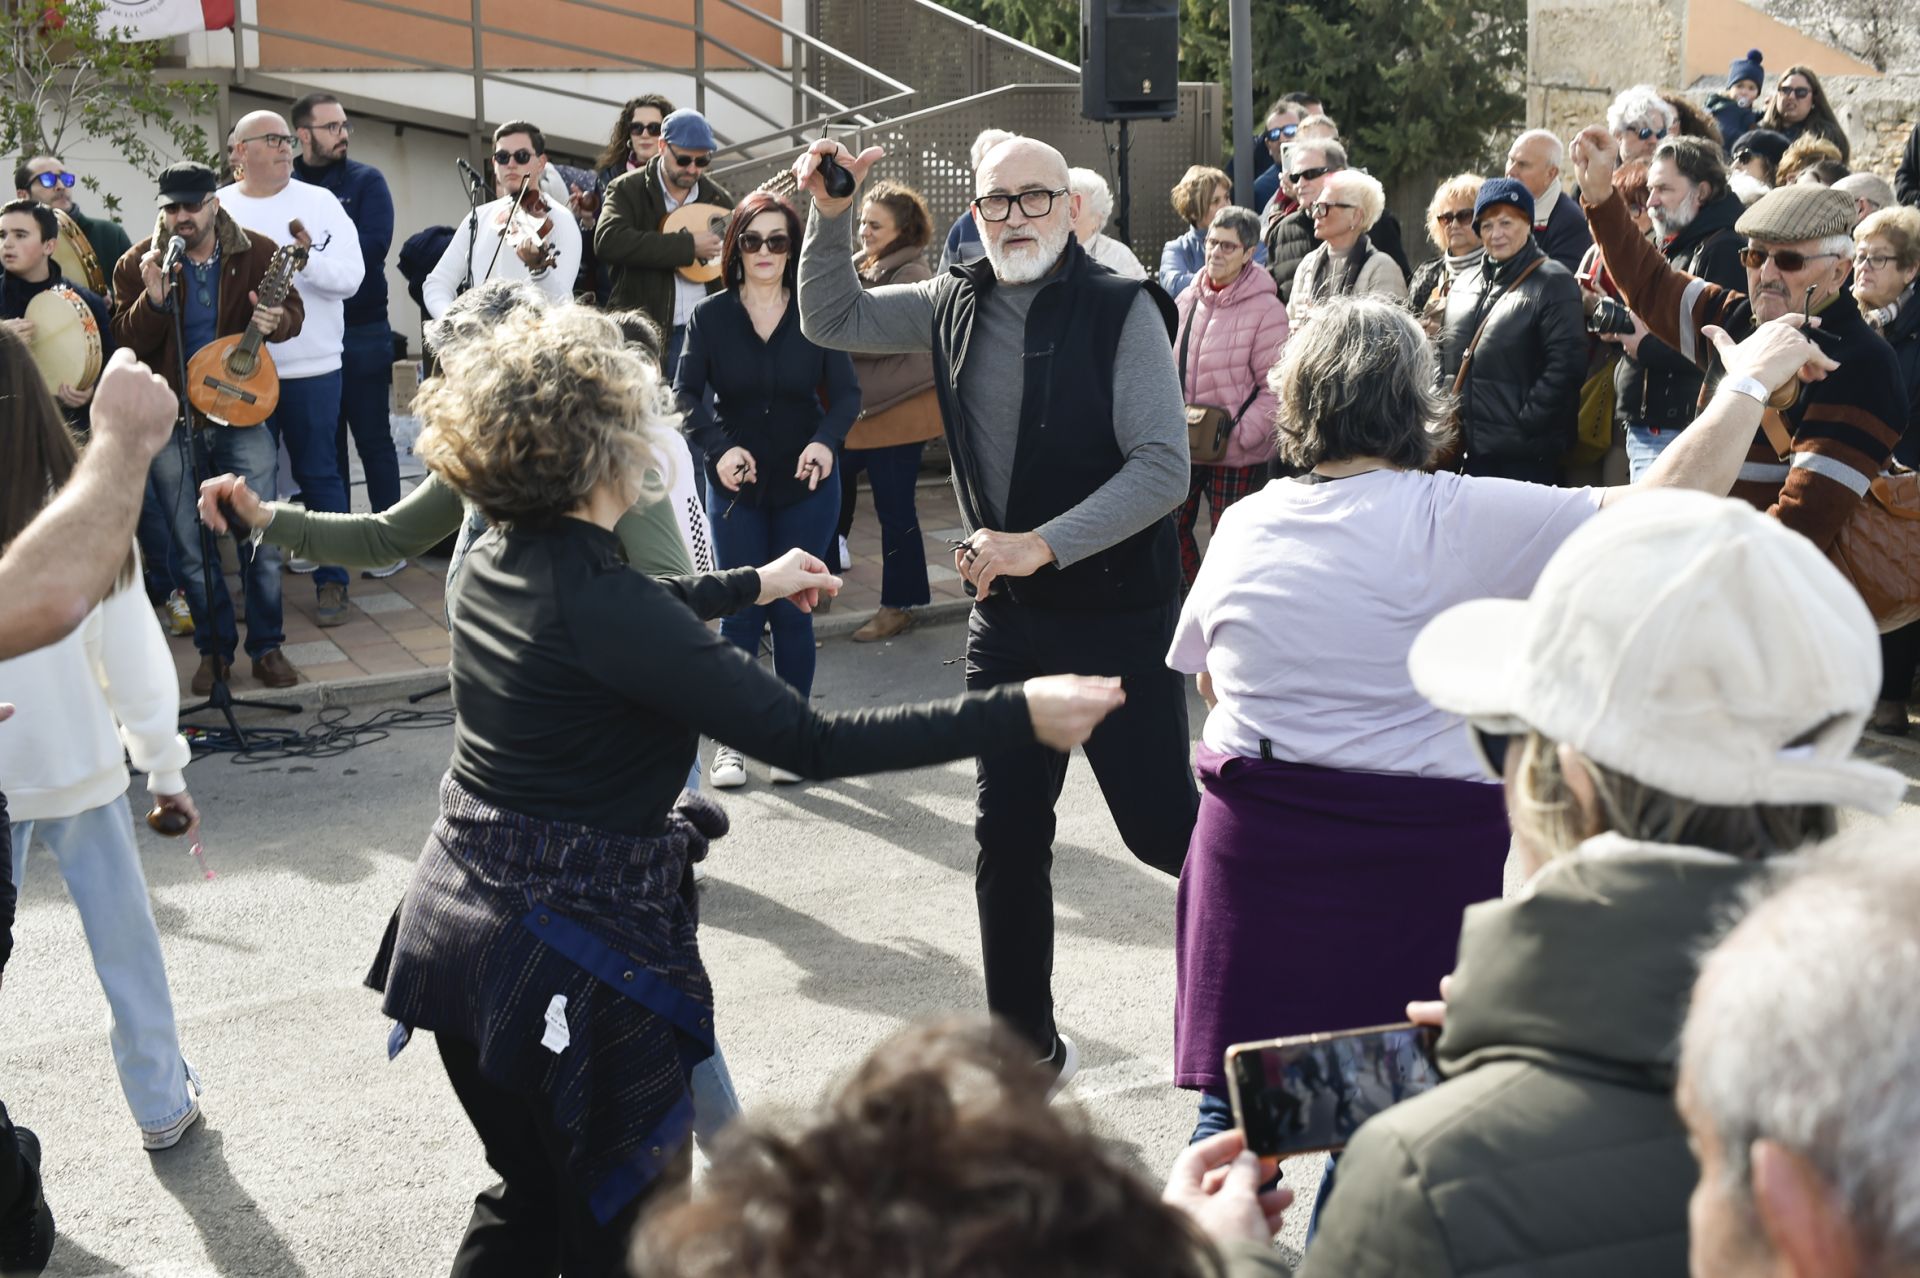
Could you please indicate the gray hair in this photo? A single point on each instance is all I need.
(983, 142)
(1360, 382)
(1642, 104)
(1335, 154)
(478, 309)
(1870, 187)
(1556, 149)
(1320, 120)
(1092, 188)
(1366, 192)
(1803, 1032)
(1244, 223)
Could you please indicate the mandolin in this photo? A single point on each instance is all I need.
(712, 217)
(231, 380)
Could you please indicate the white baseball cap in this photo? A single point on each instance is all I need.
(1687, 641)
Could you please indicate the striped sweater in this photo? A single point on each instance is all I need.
(1843, 428)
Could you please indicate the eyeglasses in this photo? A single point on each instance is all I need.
(184, 206)
(1794, 91)
(337, 128)
(1742, 156)
(1308, 175)
(1878, 261)
(1224, 246)
(1323, 207)
(777, 244)
(51, 180)
(640, 129)
(697, 161)
(1459, 217)
(1279, 131)
(274, 141)
(1643, 133)
(1785, 259)
(522, 156)
(998, 208)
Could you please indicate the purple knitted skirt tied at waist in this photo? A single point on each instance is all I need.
(1315, 899)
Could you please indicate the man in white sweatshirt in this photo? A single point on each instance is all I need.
(267, 199)
(476, 254)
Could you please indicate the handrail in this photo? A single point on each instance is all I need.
(999, 37)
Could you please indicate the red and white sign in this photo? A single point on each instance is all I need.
(158, 19)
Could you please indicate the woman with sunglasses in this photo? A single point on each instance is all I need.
(1799, 108)
(1345, 263)
(633, 145)
(781, 406)
(517, 236)
(1450, 227)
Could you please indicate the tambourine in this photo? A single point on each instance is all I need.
(66, 339)
(78, 262)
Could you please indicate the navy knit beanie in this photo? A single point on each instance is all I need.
(1503, 190)
(1747, 68)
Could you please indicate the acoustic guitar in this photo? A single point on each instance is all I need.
(694, 218)
(231, 380)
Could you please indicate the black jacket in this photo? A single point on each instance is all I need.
(1522, 394)
(1066, 448)
(1904, 336)
(1288, 242)
(1906, 178)
(1660, 387)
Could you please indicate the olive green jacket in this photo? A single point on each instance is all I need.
(1553, 1150)
(640, 258)
(432, 512)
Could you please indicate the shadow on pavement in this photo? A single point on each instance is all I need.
(238, 1237)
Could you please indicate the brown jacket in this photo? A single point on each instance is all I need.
(897, 403)
(148, 330)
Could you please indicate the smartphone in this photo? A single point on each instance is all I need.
(1309, 1094)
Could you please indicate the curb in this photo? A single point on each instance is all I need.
(835, 624)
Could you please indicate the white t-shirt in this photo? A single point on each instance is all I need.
(686, 293)
(1311, 595)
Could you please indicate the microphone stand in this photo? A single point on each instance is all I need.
(221, 697)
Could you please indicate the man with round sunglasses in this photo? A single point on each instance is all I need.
(1841, 429)
(1283, 123)
(45, 180)
(498, 241)
(642, 260)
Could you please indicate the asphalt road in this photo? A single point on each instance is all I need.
(835, 914)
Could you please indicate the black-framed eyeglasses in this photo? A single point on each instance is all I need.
(1308, 175)
(1878, 261)
(184, 206)
(1320, 208)
(275, 141)
(1794, 91)
(641, 128)
(1459, 217)
(1742, 156)
(522, 156)
(1279, 131)
(51, 180)
(998, 207)
(682, 159)
(338, 128)
(1492, 748)
(1755, 257)
(779, 243)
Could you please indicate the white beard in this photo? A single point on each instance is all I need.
(1028, 265)
(1673, 221)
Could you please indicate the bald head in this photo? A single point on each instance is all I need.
(261, 149)
(1019, 163)
(1024, 208)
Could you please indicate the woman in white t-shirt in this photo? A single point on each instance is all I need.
(1342, 814)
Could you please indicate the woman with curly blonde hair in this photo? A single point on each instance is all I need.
(547, 938)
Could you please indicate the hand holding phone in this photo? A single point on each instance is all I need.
(1310, 1094)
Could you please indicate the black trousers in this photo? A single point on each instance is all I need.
(535, 1223)
(1139, 755)
(1899, 657)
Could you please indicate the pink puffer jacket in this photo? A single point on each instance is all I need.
(1237, 335)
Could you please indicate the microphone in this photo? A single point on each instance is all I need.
(176, 249)
(473, 177)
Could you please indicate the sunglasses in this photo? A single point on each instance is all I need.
(1459, 217)
(1308, 175)
(1742, 156)
(697, 161)
(637, 129)
(778, 243)
(1279, 131)
(1786, 259)
(1798, 91)
(184, 206)
(1645, 134)
(1324, 207)
(522, 156)
(51, 180)
(1492, 749)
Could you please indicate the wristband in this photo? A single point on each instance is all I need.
(1750, 387)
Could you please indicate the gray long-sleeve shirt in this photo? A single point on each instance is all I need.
(1149, 419)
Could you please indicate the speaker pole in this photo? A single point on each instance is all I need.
(1240, 36)
(1124, 196)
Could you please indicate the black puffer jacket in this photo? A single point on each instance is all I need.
(1522, 395)
(1660, 387)
(1904, 336)
(1288, 241)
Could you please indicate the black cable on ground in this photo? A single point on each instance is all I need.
(328, 737)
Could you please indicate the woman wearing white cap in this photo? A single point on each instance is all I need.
(1339, 809)
(1664, 728)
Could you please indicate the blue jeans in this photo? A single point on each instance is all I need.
(158, 557)
(752, 535)
(892, 473)
(1644, 448)
(715, 1103)
(101, 864)
(305, 422)
(248, 452)
(366, 385)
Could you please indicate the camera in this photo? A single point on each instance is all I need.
(1609, 318)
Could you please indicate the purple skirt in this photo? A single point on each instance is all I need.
(1315, 899)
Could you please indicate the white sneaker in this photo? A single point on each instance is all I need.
(1069, 1065)
(729, 770)
(699, 872)
(385, 570)
(169, 1136)
(846, 555)
(301, 566)
(783, 777)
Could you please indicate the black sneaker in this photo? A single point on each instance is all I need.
(26, 1233)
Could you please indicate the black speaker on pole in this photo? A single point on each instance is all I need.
(1129, 59)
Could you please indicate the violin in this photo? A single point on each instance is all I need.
(528, 226)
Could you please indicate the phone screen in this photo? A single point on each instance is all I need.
(1298, 1095)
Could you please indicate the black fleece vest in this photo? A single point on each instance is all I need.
(1066, 449)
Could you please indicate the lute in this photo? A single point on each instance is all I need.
(714, 218)
(231, 380)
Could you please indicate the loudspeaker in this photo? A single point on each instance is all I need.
(1129, 59)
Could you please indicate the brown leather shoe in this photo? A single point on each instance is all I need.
(884, 624)
(202, 683)
(274, 670)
